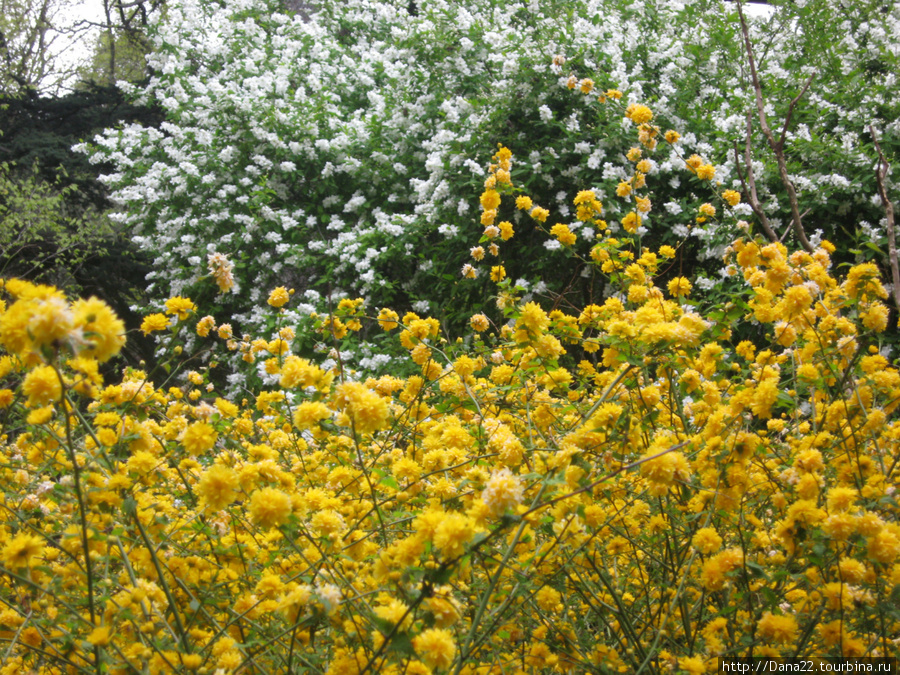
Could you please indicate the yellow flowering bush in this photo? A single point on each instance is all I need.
(616, 486)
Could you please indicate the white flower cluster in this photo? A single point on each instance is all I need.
(351, 146)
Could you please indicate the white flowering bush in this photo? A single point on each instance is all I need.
(343, 154)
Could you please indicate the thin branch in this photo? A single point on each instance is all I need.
(790, 113)
(753, 197)
(880, 176)
(777, 146)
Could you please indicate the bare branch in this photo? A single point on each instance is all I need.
(881, 175)
(787, 119)
(777, 146)
(753, 198)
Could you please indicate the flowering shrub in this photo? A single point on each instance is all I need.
(613, 487)
(339, 154)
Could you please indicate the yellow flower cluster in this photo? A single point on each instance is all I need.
(667, 467)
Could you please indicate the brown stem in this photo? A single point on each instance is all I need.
(777, 146)
(753, 198)
(880, 175)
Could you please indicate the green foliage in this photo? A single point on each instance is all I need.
(41, 130)
(118, 55)
(42, 237)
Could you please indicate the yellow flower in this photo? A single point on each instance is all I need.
(732, 197)
(714, 571)
(154, 322)
(205, 326)
(666, 470)
(51, 320)
(42, 386)
(586, 86)
(524, 203)
(672, 136)
(498, 273)
(270, 507)
(226, 409)
(435, 647)
(40, 416)
(540, 214)
(777, 629)
(367, 410)
(309, 413)
(453, 533)
(642, 204)
(479, 322)
(679, 287)
(490, 200)
(279, 297)
(503, 491)
(631, 222)
(104, 331)
(23, 550)
(295, 602)
(100, 636)
(395, 612)
(706, 540)
(563, 234)
(693, 665)
(841, 498)
(218, 487)
(297, 372)
(639, 114)
(191, 661)
(107, 437)
(388, 319)
(884, 545)
(706, 172)
(221, 269)
(198, 438)
(796, 300)
(506, 230)
(548, 599)
(327, 523)
(180, 307)
(875, 317)
(863, 282)
(533, 318)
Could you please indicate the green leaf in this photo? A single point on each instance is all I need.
(402, 644)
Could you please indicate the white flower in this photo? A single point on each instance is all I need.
(673, 207)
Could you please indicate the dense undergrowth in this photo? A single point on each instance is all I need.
(622, 486)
